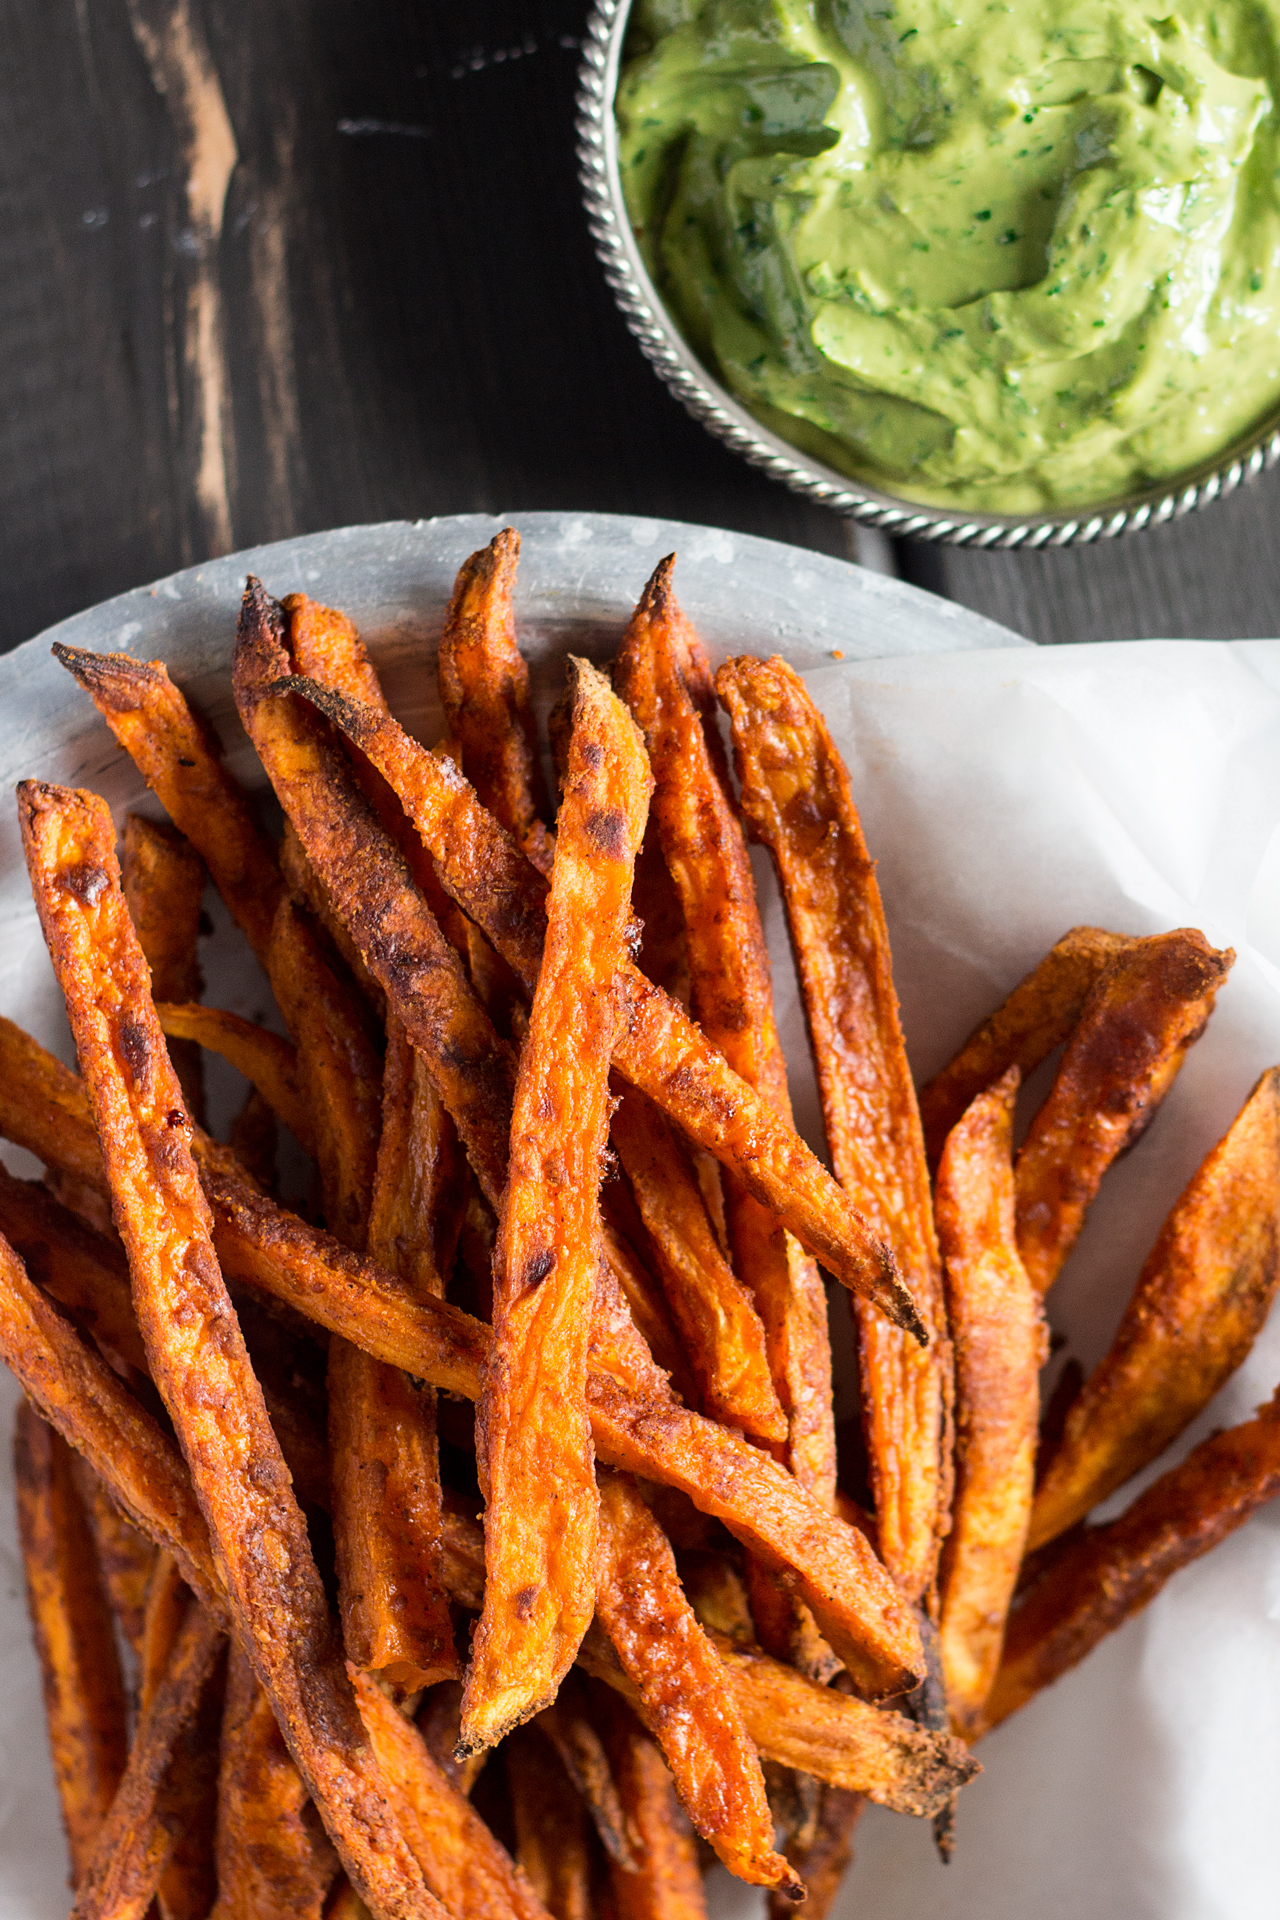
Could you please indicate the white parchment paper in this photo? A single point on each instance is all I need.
(1009, 795)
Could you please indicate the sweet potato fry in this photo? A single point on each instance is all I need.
(797, 796)
(536, 1456)
(85, 1272)
(1142, 1014)
(664, 1882)
(688, 1701)
(181, 762)
(196, 1351)
(84, 1697)
(1200, 1301)
(1000, 1346)
(188, 1802)
(658, 1047)
(466, 1868)
(1106, 1574)
(43, 1108)
(484, 684)
(825, 1857)
(135, 1841)
(723, 1335)
(732, 998)
(386, 1484)
(163, 885)
(553, 1833)
(1024, 1029)
(267, 1060)
(327, 647)
(568, 1725)
(126, 1558)
(274, 1859)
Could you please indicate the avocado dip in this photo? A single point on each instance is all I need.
(1010, 255)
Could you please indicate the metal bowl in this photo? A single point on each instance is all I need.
(730, 421)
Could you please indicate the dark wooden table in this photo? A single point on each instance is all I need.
(275, 265)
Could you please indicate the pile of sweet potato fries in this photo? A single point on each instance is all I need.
(315, 1637)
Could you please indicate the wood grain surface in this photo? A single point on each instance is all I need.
(274, 265)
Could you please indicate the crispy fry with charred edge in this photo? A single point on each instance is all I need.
(796, 794)
(327, 647)
(484, 684)
(664, 1883)
(386, 1474)
(274, 1859)
(267, 1060)
(374, 893)
(723, 1337)
(163, 885)
(553, 1832)
(824, 1859)
(1106, 1574)
(126, 1558)
(568, 1726)
(188, 1802)
(1143, 1013)
(537, 1466)
(84, 1698)
(181, 762)
(636, 1425)
(1024, 1029)
(336, 1063)
(732, 996)
(658, 1047)
(466, 1868)
(136, 1839)
(197, 1354)
(1000, 1346)
(688, 1702)
(1201, 1298)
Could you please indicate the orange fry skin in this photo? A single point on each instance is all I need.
(797, 796)
(662, 1882)
(1024, 1029)
(553, 1834)
(194, 1345)
(188, 1802)
(327, 647)
(1000, 1345)
(469, 1871)
(164, 886)
(688, 1701)
(723, 1336)
(1106, 1574)
(732, 994)
(274, 1862)
(484, 684)
(534, 1432)
(1143, 1013)
(658, 1047)
(267, 1060)
(84, 1697)
(84, 1271)
(181, 762)
(1200, 1301)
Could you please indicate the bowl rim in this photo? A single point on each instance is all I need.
(690, 381)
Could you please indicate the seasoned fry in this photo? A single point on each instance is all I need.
(163, 885)
(1201, 1298)
(688, 1702)
(534, 1433)
(1000, 1346)
(274, 1860)
(466, 1868)
(484, 684)
(395, 1617)
(825, 1857)
(568, 1725)
(553, 1845)
(181, 762)
(267, 1060)
(43, 1108)
(796, 794)
(84, 1694)
(85, 1272)
(136, 1839)
(1109, 1573)
(1024, 1029)
(188, 1803)
(326, 647)
(1142, 1014)
(723, 1335)
(732, 996)
(126, 1558)
(197, 1354)
(664, 1883)
(658, 1048)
